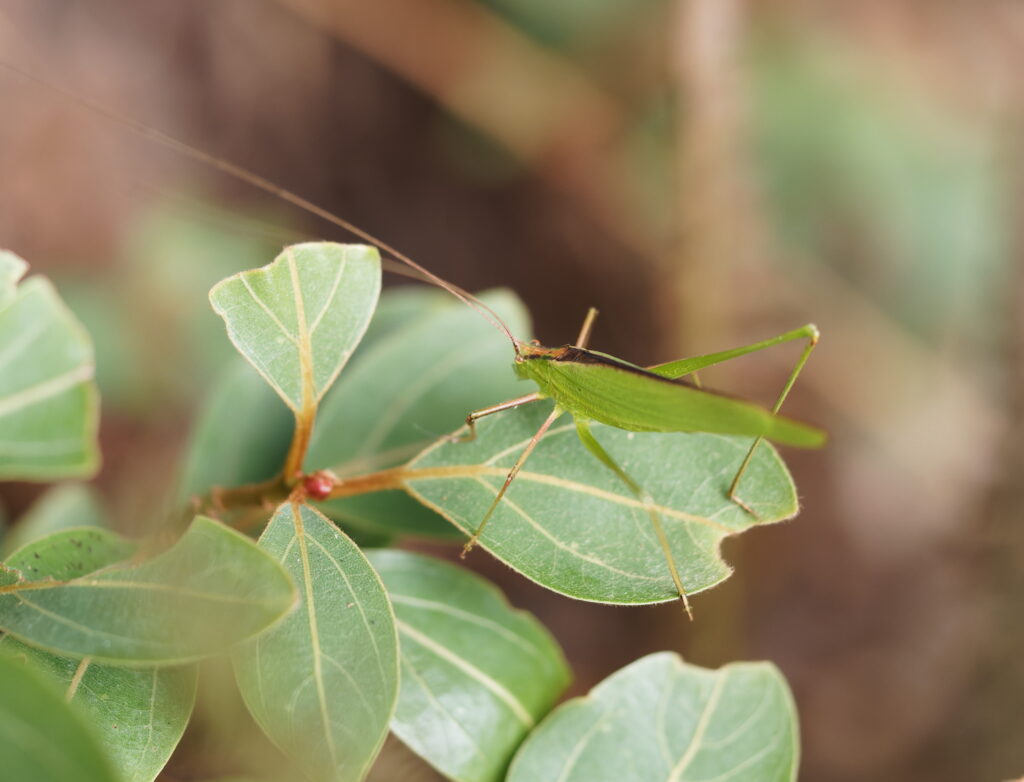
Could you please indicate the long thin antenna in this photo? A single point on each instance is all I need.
(259, 182)
(200, 212)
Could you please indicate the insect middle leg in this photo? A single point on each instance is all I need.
(587, 438)
(588, 326)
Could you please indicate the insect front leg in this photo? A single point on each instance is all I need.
(810, 333)
(509, 478)
(587, 438)
(476, 415)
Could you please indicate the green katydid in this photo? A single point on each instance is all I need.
(593, 386)
(588, 385)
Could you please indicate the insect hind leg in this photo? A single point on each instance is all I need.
(811, 334)
(587, 438)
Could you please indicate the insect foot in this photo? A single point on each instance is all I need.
(739, 501)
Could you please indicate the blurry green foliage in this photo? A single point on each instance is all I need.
(904, 195)
(157, 342)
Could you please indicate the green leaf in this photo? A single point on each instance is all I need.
(661, 720)
(241, 435)
(211, 590)
(477, 675)
(140, 714)
(567, 521)
(68, 554)
(406, 391)
(42, 738)
(12, 269)
(48, 400)
(243, 430)
(62, 507)
(323, 683)
(298, 319)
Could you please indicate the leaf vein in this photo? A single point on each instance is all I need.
(562, 545)
(314, 633)
(466, 616)
(499, 691)
(266, 308)
(48, 389)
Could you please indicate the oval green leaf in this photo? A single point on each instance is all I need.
(68, 554)
(48, 400)
(211, 590)
(139, 714)
(43, 738)
(64, 506)
(298, 319)
(661, 720)
(568, 523)
(323, 683)
(402, 394)
(477, 675)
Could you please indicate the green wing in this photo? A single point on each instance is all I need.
(633, 399)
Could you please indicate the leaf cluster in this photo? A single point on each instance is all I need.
(305, 472)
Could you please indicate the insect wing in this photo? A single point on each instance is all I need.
(639, 401)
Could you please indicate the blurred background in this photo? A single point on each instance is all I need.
(707, 173)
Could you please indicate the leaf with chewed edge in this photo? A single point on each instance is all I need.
(569, 523)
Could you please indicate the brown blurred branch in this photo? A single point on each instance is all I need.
(711, 207)
(535, 105)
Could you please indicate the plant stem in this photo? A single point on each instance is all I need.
(381, 480)
(300, 444)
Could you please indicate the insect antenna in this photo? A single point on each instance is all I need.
(261, 183)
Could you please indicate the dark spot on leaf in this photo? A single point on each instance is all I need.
(36, 555)
(76, 543)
